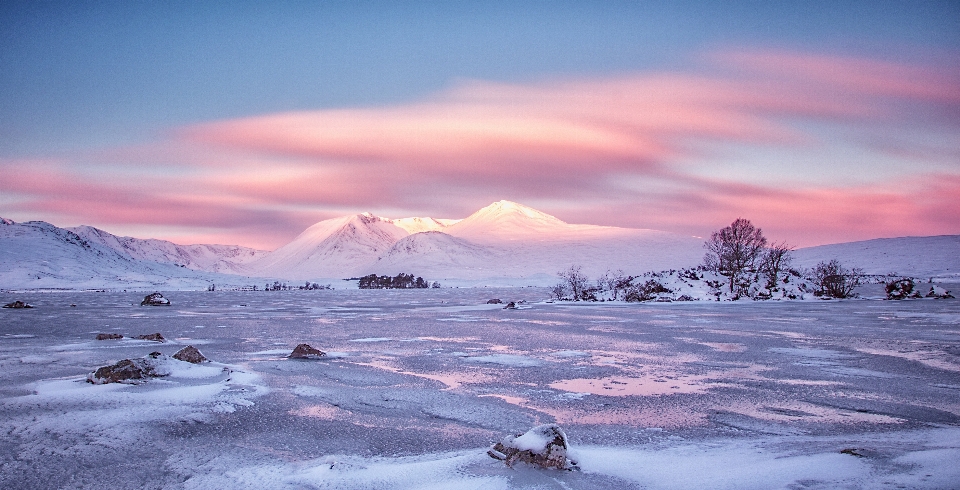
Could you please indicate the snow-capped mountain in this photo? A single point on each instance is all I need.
(38, 255)
(502, 240)
(503, 243)
(227, 259)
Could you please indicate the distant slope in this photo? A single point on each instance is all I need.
(912, 256)
(227, 259)
(38, 255)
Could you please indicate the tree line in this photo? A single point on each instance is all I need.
(400, 281)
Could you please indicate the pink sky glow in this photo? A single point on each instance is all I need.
(814, 149)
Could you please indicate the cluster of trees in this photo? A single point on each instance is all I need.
(310, 286)
(753, 265)
(400, 281)
(575, 285)
(741, 252)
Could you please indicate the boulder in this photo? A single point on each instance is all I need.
(939, 293)
(494, 301)
(155, 299)
(305, 351)
(510, 306)
(544, 446)
(17, 304)
(190, 354)
(109, 336)
(156, 337)
(132, 371)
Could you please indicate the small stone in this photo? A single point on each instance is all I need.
(495, 301)
(510, 306)
(109, 336)
(305, 351)
(18, 305)
(156, 337)
(190, 354)
(155, 299)
(544, 446)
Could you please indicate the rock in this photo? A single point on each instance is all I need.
(17, 304)
(155, 299)
(510, 306)
(133, 371)
(190, 354)
(156, 337)
(544, 446)
(494, 301)
(109, 336)
(939, 293)
(305, 351)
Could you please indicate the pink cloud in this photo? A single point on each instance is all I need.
(573, 142)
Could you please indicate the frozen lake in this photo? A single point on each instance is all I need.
(419, 383)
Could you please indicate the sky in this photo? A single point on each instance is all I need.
(246, 122)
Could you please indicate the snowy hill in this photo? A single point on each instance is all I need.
(502, 240)
(334, 248)
(227, 259)
(38, 255)
(933, 256)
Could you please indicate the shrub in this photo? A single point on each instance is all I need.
(900, 289)
(646, 291)
(832, 280)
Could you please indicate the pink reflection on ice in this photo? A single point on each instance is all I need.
(647, 385)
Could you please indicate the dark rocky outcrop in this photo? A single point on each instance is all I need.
(190, 354)
(544, 446)
(155, 299)
(109, 336)
(305, 351)
(495, 301)
(156, 337)
(132, 371)
(18, 305)
(510, 306)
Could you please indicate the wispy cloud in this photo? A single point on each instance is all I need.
(568, 145)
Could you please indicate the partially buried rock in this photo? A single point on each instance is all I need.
(495, 301)
(17, 304)
(544, 446)
(132, 371)
(156, 337)
(155, 299)
(939, 293)
(305, 351)
(510, 306)
(190, 354)
(109, 336)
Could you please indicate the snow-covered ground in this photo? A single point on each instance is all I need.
(418, 384)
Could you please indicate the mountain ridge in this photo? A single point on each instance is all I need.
(503, 243)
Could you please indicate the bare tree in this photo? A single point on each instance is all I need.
(615, 282)
(776, 259)
(735, 250)
(559, 290)
(833, 280)
(575, 281)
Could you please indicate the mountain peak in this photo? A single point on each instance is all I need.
(504, 208)
(507, 220)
